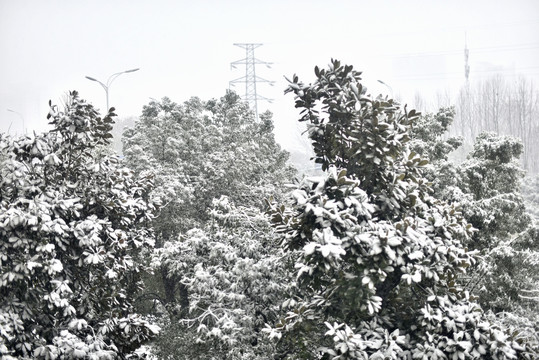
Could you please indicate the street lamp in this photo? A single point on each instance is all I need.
(109, 82)
(386, 85)
(22, 118)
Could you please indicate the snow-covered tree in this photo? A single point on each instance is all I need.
(428, 135)
(429, 139)
(486, 187)
(232, 270)
(530, 192)
(507, 280)
(378, 258)
(492, 176)
(201, 152)
(73, 223)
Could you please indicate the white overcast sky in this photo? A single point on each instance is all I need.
(184, 48)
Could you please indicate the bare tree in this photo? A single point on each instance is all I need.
(508, 108)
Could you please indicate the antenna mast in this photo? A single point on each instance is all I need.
(466, 55)
(250, 79)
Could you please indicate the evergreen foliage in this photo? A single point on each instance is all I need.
(73, 224)
(393, 252)
(200, 151)
(378, 258)
(486, 187)
(216, 264)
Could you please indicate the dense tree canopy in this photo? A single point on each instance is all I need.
(219, 278)
(530, 192)
(486, 187)
(378, 258)
(72, 226)
(200, 151)
(392, 251)
(232, 270)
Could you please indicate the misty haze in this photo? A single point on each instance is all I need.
(269, 180)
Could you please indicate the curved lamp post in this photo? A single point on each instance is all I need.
(386, 85)
(109, 82)
(22, 118)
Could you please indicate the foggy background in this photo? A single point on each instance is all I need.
(184, 49)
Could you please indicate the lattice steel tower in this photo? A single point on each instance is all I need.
(250, 79)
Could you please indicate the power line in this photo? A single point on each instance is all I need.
(454, 74)
(501, 48)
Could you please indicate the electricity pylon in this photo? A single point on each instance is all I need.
(250, 79)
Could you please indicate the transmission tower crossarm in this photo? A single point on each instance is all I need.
(259, 79)
(240, 79)
(246, 45)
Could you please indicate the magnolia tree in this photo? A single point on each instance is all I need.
(378, 259)
(73, 223)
